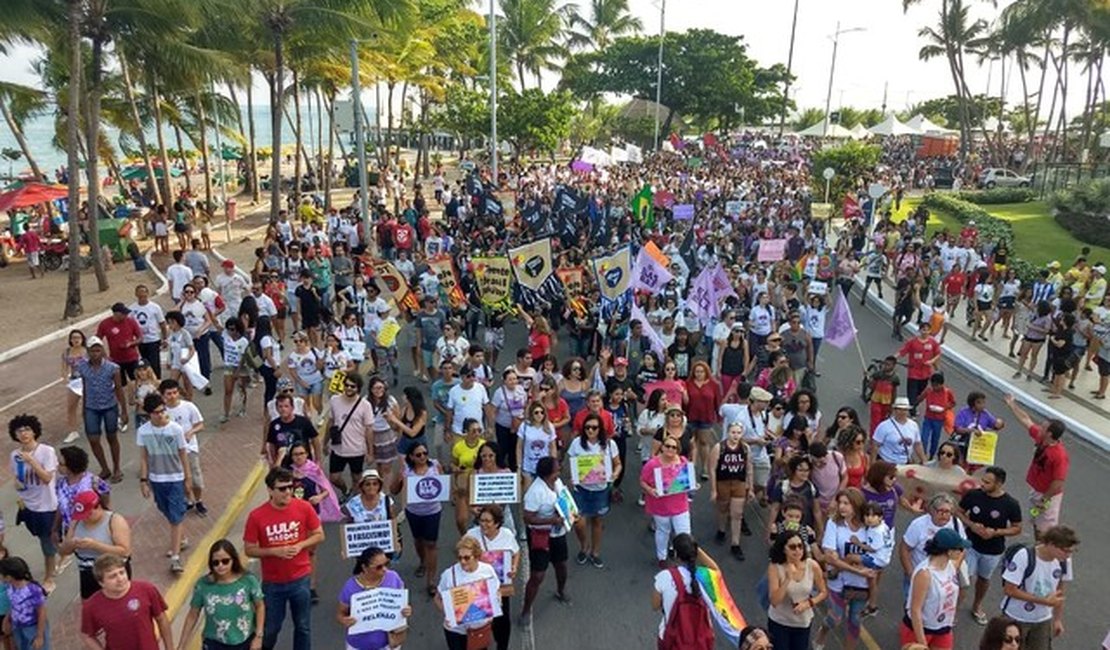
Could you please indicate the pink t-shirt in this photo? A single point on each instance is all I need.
(665, 506)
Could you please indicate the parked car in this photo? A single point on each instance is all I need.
(999, 177)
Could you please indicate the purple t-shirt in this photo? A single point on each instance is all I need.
(888, 501)
(25, 602)
(369, 640)
(965, 418)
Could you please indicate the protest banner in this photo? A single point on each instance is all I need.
(649, 275)
(359, 537)
(428, 489)
(614, 272)
(532, 263)
(591, 469)
(393, 283)
(444, 268)
(682, 481)
(683, 211)
(771, 250)
(356, 350)
(494, 277)
(664, 199)
(981, 448)
(565, 505)
(471, 602)
(378, 610)
(573, 279)
(732, 208)
(656, 254)
(499, 488)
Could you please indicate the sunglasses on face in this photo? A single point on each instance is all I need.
(381, 566)
(670, 446)
(591, 427)
(796, 546)
(1011, 639)
(947, 454)
(220, 561)
(420, 454)
(283, 488)
(465, 558)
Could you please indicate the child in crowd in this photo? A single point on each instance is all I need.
(878, 546)
(940, 402)
(146, 382)
(26, 616)
(884, 386)
(181, 351)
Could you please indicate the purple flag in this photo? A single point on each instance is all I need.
(683, 211)
(840, 330)
(649, 274)
(654, 339)
(703, 299)
(722, 284)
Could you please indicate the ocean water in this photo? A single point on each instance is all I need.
(39, 133)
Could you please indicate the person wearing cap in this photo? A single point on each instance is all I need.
(231, 285)
(95, 532)
(1096, 287)
(152, 322)
(934, 590)
(104, 405)
(897, 439)
(123, 335)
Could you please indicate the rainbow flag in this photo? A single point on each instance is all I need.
(725, 612)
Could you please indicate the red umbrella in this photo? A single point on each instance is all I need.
(31, 194)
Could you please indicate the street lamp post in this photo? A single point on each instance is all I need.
(360, 142)
(789, 69)
(492, 95)
(832, 71)
(659, 70)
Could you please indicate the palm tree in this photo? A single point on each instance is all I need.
(18, 103)
(532, 34)
(608, 20)
(73, 307)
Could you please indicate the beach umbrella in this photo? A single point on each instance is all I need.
(31, 194)
(139, 172)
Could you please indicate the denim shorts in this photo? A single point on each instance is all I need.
(170, 499)
(41, 526)
(99, 421)
(315, 388)
(592, 503)
(980, 564)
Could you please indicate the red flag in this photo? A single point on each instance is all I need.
(677, 142)
(709, 140)
(851, 208)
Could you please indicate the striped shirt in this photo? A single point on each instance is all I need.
(99, 383)
(1043, 291)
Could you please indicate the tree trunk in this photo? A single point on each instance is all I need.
(184, 160)
(327, 164)
(92, 128)
(248, 162)
(298, 135)
(318, 158)
(390, 85)
(129, 88)
(520, 73)
(204, 157)
(73, 307)
(1089, 102)
(252, 150)
(18, 134)
(276, 92)
(167, 185)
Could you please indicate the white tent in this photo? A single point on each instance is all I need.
(860, 132)
(818, 131)
(891, 126)
(925, 125)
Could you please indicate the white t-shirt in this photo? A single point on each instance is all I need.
(921, 530)
(150, 318)
(665, 587)
(186, 415)
(838, 539)
(465, 404)
(1045, 581)
(537, 444)
(268, 343)
(232, 287)
(455, 576)
(179, 275)
(541, 499)
(896, 440)
(195, 323)
(504, 541)
(610, 452)
(234, 349)
(305, 366)
(266, 306)
(454, 350)
(36, 495)
(509, 404)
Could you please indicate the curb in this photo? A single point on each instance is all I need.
(1028, 400)
(177, 596)
(95, 319)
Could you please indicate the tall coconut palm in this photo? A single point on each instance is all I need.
(18, 103)
(73, 307)
(532, 34)
(608, 19)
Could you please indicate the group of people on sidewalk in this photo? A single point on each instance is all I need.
(703, 402)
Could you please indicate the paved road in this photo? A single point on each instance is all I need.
(611, 607)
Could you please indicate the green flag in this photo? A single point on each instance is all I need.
(643, 207)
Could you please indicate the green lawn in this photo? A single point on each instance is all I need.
(1037, 236)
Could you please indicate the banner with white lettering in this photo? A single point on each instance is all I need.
(499, 488)
(359, 537)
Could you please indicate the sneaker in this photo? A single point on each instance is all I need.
(597, 562)
(175, 564)
(737, 553)
(640, 502)
(224, 418)
(719, 537)
(582, 558)
(315, 597)
(201, 509)
(869, 611)
(71, 437)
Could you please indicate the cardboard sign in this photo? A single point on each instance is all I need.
(471, 603)
(378, 610)
(981, 449)
(494, 276)
(683, 481)
(501, 561)
(428, 489)
(565, 505)
(356, 350)
(499, 488)
(591, 469)
(359, 537)
(771, 250)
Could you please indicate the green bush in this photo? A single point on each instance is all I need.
(997, 196)
(1084, 211)
(851, 160)
(989, 227)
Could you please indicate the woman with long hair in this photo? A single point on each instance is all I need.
(27, 619)
(803, 404)
(1001, 633)
(846, 416)
(731, 478)
(496, 541)
(934, 589)
(75, 351)
(593, 488)
(732, 358)
(371, 572)
(1036, 332)
(464, 460)
(558, 411)
(574, 385)
(688, 555)
(848, 582)
(547, 533)
(651, 420)
(231, 599)
(411, 420)
(385, 438)
(795, 586)
(851, 442)
(423, 518)
(535, 440)
(702, 409)
(269, 350)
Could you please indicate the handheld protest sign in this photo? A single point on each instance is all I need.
(499, 488)
(378, 610)
(359, 537)
(428, 489)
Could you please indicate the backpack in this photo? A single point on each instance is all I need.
(1030, 566)
(688, 626)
